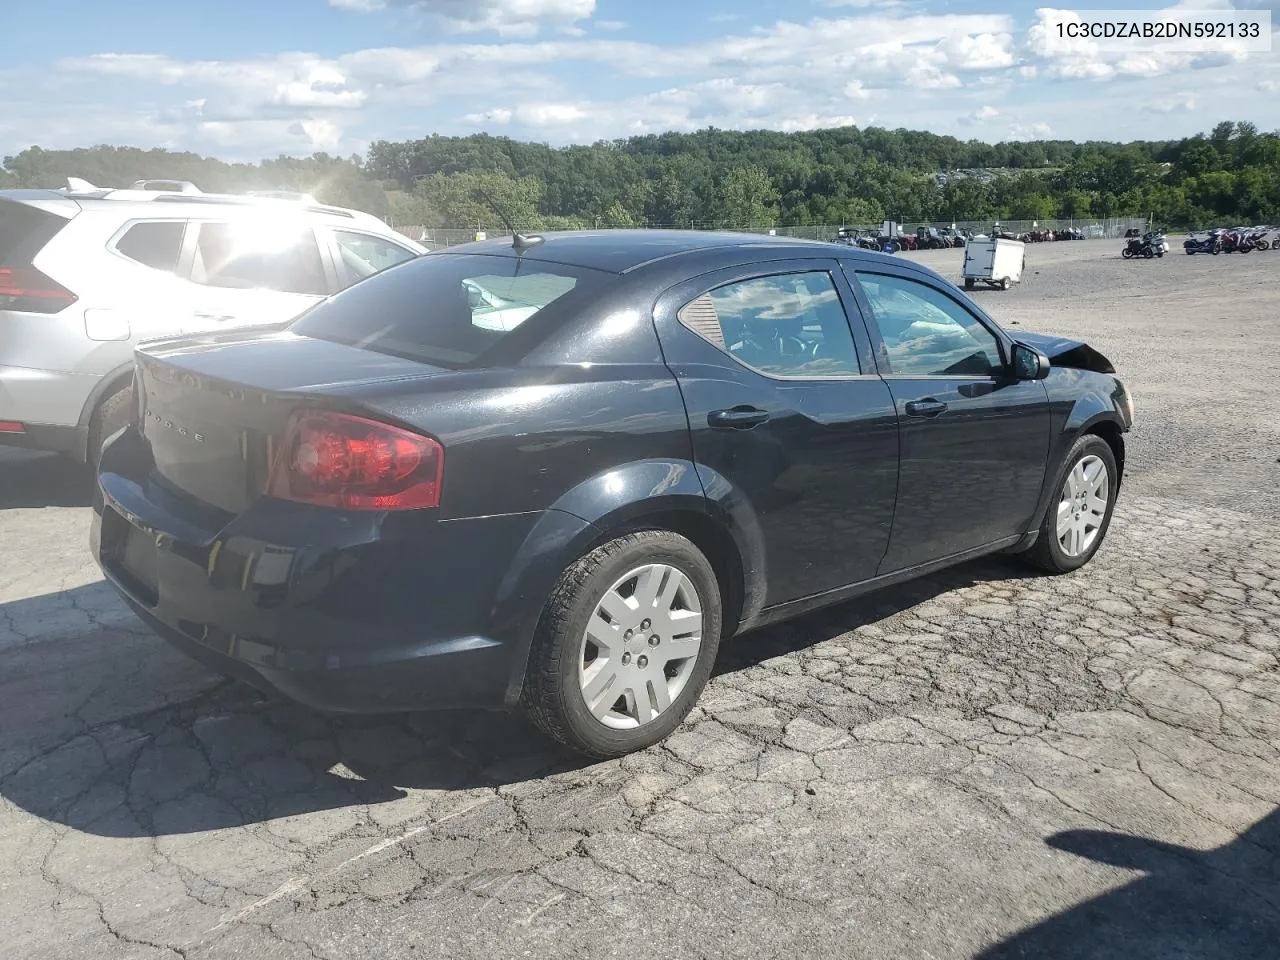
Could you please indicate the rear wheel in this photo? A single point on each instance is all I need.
(1077, 521)
(1005, 283)
(625, 645)
(114, 413)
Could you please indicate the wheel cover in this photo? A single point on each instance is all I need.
(1082, 506)
(640, 646)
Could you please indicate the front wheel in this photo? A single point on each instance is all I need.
(625, 645)
(1264, 245)
(1076, 523)
(1127, 253)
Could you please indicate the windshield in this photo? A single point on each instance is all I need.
(450, 310)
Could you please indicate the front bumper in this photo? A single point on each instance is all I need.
(343, 611)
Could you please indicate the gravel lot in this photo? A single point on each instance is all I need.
(983, 762)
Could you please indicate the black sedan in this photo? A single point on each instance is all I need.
(556, 472)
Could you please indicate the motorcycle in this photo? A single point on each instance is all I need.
(1237, 241)
(1209, 244)
(1146, 247)
(1259, 238)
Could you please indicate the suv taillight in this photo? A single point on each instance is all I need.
(29, 290)
(337, 460)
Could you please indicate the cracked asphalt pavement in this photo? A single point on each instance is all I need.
(985, 762)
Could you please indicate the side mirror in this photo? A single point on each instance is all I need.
(1029, 364)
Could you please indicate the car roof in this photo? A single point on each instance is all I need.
(674, 252)
(195, 205)
(623, 251)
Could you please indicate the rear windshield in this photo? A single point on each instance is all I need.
(24, 230)
(452, 310)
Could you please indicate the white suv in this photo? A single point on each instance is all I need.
(88, 273)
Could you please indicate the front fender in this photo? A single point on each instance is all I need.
(606, 503)
(1079, 400)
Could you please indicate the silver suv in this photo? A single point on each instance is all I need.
(87, 273)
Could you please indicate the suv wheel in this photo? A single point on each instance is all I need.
(114, 413)
(625, 645)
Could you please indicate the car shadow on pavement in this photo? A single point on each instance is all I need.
(105, 728)
(1220, 904)
(43, 480)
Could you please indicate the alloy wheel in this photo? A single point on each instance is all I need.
(1082, 506)
(640, 646)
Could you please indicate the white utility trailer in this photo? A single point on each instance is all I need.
(994, 261)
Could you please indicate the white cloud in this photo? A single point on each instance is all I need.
(983, 115)
(1031, 131)
(499, 116)
(611, 25)
(549, 114)
(1180, 103)
(854, 90)
(1269, 86)
(511, 18)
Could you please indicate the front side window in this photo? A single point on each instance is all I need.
(259, 255)
(155, 244)
(926, 333)
(364, 254)
(451, 309)
(789, 325)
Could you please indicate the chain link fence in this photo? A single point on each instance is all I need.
(1095, 227)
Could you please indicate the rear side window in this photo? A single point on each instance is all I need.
(451, 310)
(789, 325)
(364, 254)
(154, 245)
(24, 230)
(259, 255)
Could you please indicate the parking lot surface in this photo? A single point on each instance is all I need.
(985, 762)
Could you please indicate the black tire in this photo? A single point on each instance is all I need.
(1047, 552)
(114, 413)
(552, 695)
(1264, 245)
(1127, 253)
(1148, 253)
(1217, 250)
(1005, 283)
(968, 284)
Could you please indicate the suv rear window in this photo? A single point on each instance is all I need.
(451, 310)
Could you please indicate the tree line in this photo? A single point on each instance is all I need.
(727, 178)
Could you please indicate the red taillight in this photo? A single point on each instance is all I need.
(337, 460)
(29, 290)
(12, 426)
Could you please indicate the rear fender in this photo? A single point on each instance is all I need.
(602, 506)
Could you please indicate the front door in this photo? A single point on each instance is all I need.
(787, 413)
(975, 441)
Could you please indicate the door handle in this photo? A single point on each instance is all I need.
(925, 408)
(737, 418)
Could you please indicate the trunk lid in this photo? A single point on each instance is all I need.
(214, 410)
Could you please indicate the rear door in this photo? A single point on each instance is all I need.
(785, 406)
(254, 272)
(975, 441)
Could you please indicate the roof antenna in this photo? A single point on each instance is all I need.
(519, 241)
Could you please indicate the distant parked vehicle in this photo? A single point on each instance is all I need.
(1145, 247)
(87, 273)
(995, 262)
(1210, 243)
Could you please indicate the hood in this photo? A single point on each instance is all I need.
(1064, 352)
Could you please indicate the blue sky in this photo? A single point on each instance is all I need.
(245, 79)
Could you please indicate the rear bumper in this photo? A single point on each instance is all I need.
(47, 398)
(71, 441)
(356, 612)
